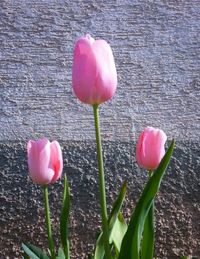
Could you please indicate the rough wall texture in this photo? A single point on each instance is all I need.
(156, 48)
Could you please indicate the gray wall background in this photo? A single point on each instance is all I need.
(156, 49)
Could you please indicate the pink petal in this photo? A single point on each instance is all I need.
(84, 70)
(56, 160)
(106, 81)
(94, 73)
(38, 161)
(139, 149)
(150, 148)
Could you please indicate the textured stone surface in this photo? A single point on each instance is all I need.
(156, 48)
(178, 202)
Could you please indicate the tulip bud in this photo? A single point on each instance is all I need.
(45, 161)
(94, 75)
(150, 148)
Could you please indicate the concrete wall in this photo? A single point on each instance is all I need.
(156, 48)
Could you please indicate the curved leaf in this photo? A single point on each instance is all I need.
(117, 206)
(118, 231)
(131, 242)
(34, 252)
(116, 225)
(147, 249)
(61, 254)
(99, 250)
(64, 219)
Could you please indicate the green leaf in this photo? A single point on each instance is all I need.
(25, 256)
(118, 231)
(34, 252)
(131, 242)
(99, 250)
(147, 249)
(115, 226)
(117, 206)
(61, 254)
(64, 219)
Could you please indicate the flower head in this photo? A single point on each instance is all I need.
(45, 161)
(94, 75)
(150, 148)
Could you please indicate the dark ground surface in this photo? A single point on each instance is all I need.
(156, 49)
(177, 205)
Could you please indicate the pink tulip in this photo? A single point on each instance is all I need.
(94, 75)
(45, 161)
(150, 148)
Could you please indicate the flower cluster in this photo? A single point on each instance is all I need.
(94, 80)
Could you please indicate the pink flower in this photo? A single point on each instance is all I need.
(94, 75)
(150, 148)
(45, 161)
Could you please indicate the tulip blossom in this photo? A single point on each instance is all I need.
(150, 148)
(94, 75)
(45, 161)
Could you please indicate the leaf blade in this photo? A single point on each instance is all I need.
(64, 218)
(34, 252)
(61, 254)
(113, 217)
(118, 231)
(117, 205)
(131, 241)
(147, 249)
(99, 250)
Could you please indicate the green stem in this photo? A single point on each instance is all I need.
(102, 184)
(48, 222)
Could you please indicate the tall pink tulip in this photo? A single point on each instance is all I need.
(94, 75)
(150, 148)
(45, 161)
